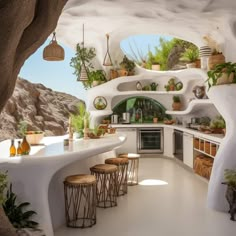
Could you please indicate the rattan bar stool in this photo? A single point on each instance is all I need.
(80, 200)
(122, 165)
(106, 176)
(133, 167)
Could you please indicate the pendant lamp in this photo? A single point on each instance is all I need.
(53, 52)
(83, 71)
(107, 59)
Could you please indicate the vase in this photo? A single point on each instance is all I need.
(223, 97)
(25, 147)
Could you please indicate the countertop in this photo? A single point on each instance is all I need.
(213, 137)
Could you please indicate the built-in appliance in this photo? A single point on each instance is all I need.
(125, 118)
(178, 144)
(150, 140)
(114, 119)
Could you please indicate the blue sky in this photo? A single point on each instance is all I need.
(59, 75)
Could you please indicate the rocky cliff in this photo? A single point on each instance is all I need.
(41, 107)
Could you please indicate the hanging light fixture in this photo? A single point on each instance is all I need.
(53, 52)
(107, 59)
(83, 71)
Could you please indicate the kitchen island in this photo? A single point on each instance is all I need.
(38, 177)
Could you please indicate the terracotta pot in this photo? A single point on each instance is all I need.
(172, 87)
(198, 63)
(214, 60)
(176, 106)
(155, 120)
(156, 67)
(123, 72)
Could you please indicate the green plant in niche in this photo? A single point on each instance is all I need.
(79, 118)
(97, 75)
(127, 64)
(17, 215)
(85, 55)
(190, 55)
(218, 123)
(176, 99)
(222, 74)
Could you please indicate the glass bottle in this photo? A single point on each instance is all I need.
(12, 149)
(19, 150)
(25, 147)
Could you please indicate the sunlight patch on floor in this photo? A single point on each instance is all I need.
(152, 182)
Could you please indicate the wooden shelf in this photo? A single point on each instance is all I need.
(192, 106)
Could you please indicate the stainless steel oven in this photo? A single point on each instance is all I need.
(150, 140)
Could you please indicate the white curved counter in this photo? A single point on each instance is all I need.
(31, 175)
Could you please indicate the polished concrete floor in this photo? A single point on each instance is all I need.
(177, 208)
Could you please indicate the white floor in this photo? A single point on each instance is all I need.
(175, 209)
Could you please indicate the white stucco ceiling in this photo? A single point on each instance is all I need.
(186, 19)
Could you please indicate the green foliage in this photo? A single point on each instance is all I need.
(3, 186)
(127, 64)
(190, 55)
(216, 73)
(218, 123)
(176, 99)
(85, 55)
(162, 52)
(17, 215)
(97, 75)
(22, 128)
(78, 119)
(230, 177)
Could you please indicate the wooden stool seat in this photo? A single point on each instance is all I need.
(106, 176)
(133, 167)
(117, 161)
(80, 200)
(104, 168)
(80, 179)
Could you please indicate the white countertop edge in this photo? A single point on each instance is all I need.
(213, 137)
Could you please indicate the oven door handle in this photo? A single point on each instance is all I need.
(150, 131)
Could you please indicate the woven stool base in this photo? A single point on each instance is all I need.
(106, 176)
(80, 201)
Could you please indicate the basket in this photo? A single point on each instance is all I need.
(34, 139)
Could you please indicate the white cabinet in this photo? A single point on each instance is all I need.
(168, 142)
(130, 146)
(188, 149)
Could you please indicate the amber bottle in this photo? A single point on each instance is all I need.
(12, 149)
(19, 150)
(25, 147)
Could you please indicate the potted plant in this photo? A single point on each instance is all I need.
(154, 86)
(127, 66)
(190, 55)
(224, 73)
(79, 119)
(171, 85)
(217, 57)
(85, 55)
(97, 77)
(176, 103)
(153, 62)
(230, 181)
(217, 125)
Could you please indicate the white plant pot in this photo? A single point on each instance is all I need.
(34, 139)
(191, 65)
(156, 67)
(223, 97)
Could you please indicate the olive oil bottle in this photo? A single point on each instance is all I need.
(19, 150)
(12, 149)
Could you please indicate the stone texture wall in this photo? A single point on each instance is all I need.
(41, 107)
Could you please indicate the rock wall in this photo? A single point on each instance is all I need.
(41, 107)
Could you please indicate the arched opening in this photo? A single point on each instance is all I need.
(160, 52)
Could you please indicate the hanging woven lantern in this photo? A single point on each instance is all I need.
(83, 73)
(53, 52)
